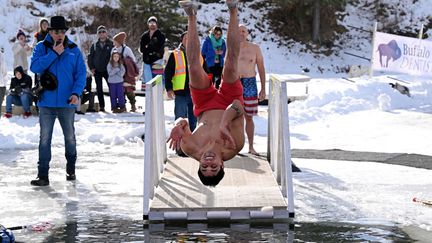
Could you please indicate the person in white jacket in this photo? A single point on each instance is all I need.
(3, 77)
(21, 50)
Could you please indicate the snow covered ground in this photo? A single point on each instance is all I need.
(364, 116)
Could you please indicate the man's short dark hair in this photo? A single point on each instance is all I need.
(211, 180)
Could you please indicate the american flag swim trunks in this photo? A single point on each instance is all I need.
(250, 96)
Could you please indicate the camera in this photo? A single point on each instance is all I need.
(37, 91)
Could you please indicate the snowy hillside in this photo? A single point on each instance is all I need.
(407, 15)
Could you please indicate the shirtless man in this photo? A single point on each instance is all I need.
(219, 135)
(250, 57)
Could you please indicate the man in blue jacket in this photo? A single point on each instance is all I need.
(63, 60)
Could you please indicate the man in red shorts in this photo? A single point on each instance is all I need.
(219, 135)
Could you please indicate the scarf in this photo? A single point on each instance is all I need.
(217, 45)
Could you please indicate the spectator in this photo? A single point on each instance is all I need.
(116, 71)
(126, 53)
(177, 84)
(97, 60)
(19, 93)
(3, 77)
(152, 48)
(87, 95)
(63, 59)
(249, 59)
(21, 50)
(42, 32)
(213, 50)
(40, 36)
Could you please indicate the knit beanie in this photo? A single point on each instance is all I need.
(101, 28)
(152, 18)
(120, 38)
(20, 32)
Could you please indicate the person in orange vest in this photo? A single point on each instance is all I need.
(177, 84)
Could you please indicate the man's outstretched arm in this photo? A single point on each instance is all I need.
(180, 130)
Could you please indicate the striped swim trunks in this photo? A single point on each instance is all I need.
(250, 96)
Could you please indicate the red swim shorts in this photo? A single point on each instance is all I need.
(214, 99)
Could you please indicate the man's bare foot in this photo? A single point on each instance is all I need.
(231, 3)
(190, 7)
(253, 152)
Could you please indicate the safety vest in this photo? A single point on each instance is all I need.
(179, 78)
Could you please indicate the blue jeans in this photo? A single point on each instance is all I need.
(47, 117)
(148, 75)
(183, 107)
(99, 87)
(23, 100)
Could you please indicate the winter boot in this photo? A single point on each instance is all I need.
(27, 114)
(70, 177)
(40, 181)
(133, 108)
(190, 7)
(8, 115)
(70, 174)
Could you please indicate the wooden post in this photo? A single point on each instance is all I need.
(421, 32)
(373, 50)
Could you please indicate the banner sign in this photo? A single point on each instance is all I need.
(401, 54)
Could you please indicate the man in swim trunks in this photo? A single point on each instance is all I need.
(249, 58)
(219, 135)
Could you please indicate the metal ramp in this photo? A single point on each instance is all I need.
(252, 189)
(248, 191)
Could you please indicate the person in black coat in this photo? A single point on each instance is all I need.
(152, 48)
(97, 60)
(19, 92)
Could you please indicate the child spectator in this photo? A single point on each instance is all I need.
(19, 92)
(131, 69)
(21, 50)
(116, 71)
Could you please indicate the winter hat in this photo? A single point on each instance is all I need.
(101, 28)
(115, 51)
(19, 69)
(152, 18)
(20, 32)
(120, 38)
(58, 23)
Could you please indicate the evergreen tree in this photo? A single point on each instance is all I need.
(308, 11)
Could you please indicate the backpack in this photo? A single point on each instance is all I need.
(132, 71)
(6, 235)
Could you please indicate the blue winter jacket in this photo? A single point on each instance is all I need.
(209, 53)
(69, 68)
